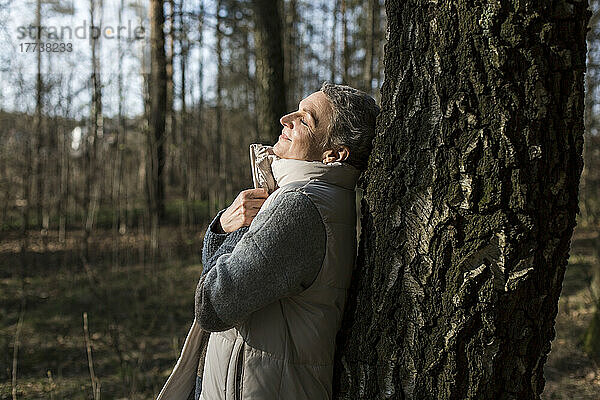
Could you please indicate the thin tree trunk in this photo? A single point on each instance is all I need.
(40, 137)
(158, 107)
(217, 187)
(345, 49)
(467, 222)
(269, 68)
(92, 184)
(64, 168)
(117, 203)
(370, 46)
(248, 82)
(200, 144)
(170, 120)
(291, 50)
(381, 23)
(26, 200)
(333, 47)
(183, 139)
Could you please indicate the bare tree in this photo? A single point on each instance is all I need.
(39, 134)
(345, 45)
(92, 184)
(184, 143)
(158, 95)
(216, 193)
(333, 47)
(291, 49)
(370, 45)
(271, 99)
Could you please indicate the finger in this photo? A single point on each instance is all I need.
(257, 203)
(259, 193)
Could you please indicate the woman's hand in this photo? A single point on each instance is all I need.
(243, 209)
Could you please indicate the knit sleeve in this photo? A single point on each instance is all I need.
(280, 255)
(217, 243)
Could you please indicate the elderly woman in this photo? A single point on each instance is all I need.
(277, 266)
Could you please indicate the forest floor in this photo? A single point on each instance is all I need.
(570, 373)
(139, 313)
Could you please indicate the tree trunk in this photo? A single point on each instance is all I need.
(158, 105)
(380, 22)
(216, 198)
(291, 49)
(171, 158)
(271, 105)
(470, 202)
(63, 204)
(370, 46)
(333, 46)
(183, 139)
(92, 187)
(345, 48)
(118, 222)
(200, 173)
(40, 154)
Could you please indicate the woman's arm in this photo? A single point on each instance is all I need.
(230, 224)
(280, 255)
(217, 242)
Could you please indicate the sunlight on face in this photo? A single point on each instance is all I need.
(305, 129)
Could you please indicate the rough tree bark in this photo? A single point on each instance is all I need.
(470, 202)
(271, 100)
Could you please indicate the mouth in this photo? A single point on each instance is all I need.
(284, 137)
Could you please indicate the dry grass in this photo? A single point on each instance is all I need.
(138, 316)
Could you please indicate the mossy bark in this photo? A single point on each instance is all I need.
(470, 202)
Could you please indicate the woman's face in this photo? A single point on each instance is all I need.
(304, 130)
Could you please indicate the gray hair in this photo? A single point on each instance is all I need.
(352, 123)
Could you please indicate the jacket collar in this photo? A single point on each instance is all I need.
(287, 170)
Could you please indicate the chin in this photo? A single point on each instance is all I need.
(278, 150)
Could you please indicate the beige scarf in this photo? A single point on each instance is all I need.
(271, 172)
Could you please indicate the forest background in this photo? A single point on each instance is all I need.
(102, 211)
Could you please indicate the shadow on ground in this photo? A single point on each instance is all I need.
(569, 372)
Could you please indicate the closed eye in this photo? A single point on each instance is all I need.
(304, 122)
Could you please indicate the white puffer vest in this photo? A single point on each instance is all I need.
(286, 349)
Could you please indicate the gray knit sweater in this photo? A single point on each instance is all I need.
(279, 255)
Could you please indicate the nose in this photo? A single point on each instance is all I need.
(286, 120)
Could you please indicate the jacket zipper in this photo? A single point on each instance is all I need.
(238, 373)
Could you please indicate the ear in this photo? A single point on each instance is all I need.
(341, 154)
